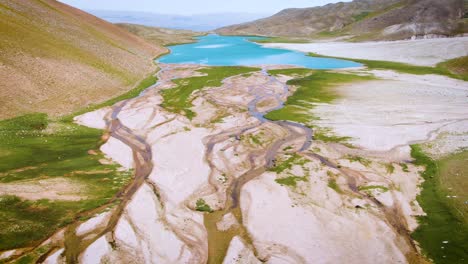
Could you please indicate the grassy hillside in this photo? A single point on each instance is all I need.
(361, 20)
(443, 232)
(161, 36)
(57, 59)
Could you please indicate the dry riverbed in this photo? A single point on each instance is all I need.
(228, 186)
(425, 52)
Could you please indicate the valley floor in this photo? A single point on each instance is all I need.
(424, 52)
(334, 173)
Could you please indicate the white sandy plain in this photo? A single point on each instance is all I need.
(285, 232)
(426, 52)
(400, 109)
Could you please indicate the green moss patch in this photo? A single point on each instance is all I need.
(202, 206)
(442, 234)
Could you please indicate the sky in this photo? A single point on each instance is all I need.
(191, 7)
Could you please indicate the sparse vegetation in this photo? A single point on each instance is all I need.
(333, 185)
(373, 187)
(458, 66)
(360, 16)
(390, 168)
(315, 88)
(293, 159)
(361, 160)
(289, 160)
(326, 135)
(202, 206)
(179, 99)
(143, 85)
(296, 72)
(290, 181)
(404, 167)
(442, 233)
(287, 148)
(278, 40)
(255, 139)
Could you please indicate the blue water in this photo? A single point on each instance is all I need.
(215, 50)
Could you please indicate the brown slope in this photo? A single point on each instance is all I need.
(57, 59)
(363, 20)
(304, 22)
(161, 36)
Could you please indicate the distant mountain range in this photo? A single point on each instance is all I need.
(205, 22)
(363, 20)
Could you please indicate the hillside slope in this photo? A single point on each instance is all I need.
(57, 59)
(161, 36)
(363, 20)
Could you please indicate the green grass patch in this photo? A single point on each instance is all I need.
(288, 163)
(290, 181)
(326, 135)
(457, 66)
(34, 147)
(442, 234)
(288, 148)
(179, 99)
(390, 168)
(312, 89)
(296, 72)
(334, 185)
(255, 139)
(404, 167)
(444, 68)
(453, 171)
(361, 160)
(202, 206)
(373, 187)
(329, 34)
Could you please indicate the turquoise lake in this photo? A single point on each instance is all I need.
(215, 50)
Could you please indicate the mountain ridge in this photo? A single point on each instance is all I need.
(362, 20)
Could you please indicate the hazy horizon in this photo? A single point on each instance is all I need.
(201, 7)
(200, 22)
